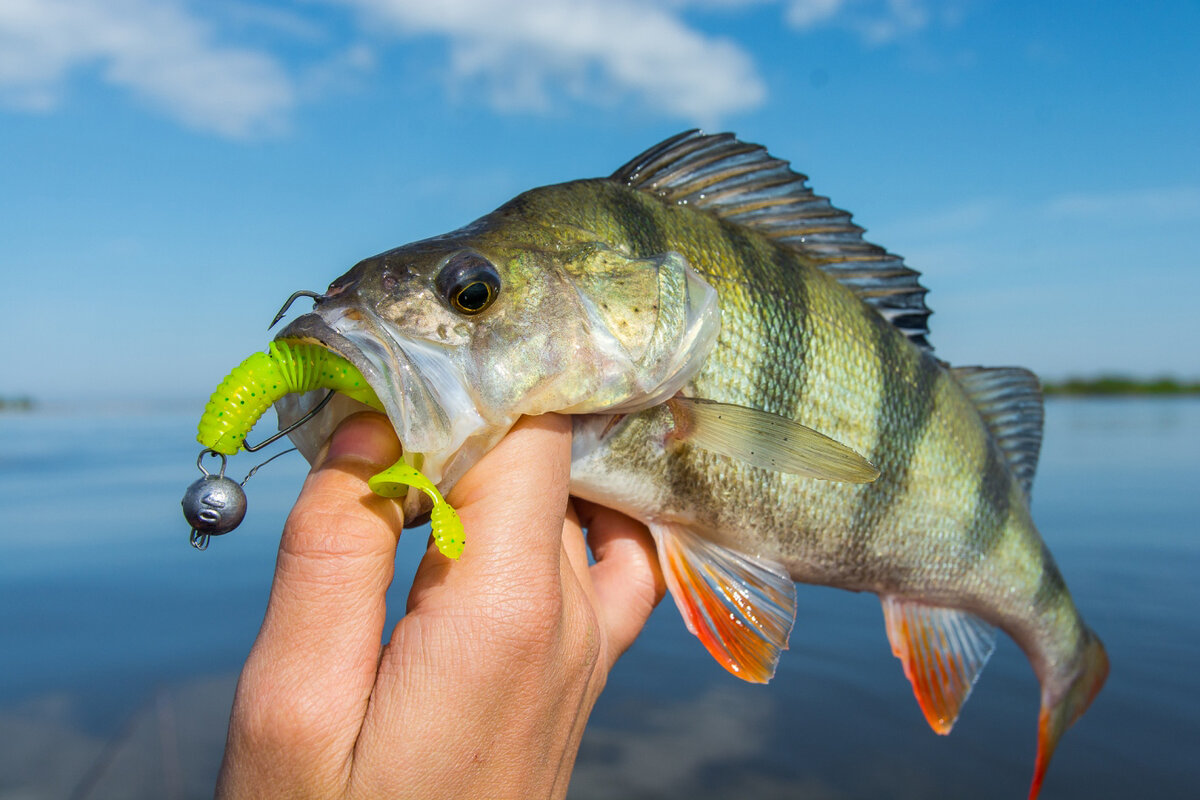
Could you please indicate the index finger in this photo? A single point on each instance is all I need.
(512, 503)
(313, 665)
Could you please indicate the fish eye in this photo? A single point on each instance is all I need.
(468, 282)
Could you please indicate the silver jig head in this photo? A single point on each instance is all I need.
(213, 505)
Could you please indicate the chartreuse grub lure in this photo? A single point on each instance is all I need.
(214, 504)
(250, 389)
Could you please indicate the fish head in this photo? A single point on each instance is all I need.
(462, 334)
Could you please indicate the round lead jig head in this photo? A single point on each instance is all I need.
(213, 505)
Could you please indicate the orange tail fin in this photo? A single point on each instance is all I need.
(1061, 709)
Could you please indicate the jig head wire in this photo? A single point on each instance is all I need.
(255, 469)
(254, 448)
(214, 504)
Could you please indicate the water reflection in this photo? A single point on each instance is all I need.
(119, 645)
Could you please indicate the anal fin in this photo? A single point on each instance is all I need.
(943, 651)
(740, 607)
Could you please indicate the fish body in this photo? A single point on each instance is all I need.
(702, 314)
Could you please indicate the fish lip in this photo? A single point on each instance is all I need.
(313, 327)
(309, 438)
(422, 392)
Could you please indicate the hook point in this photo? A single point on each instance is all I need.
(288, 304)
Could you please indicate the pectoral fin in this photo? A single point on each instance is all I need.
(943, 651)
(741, 607)
(767, 440)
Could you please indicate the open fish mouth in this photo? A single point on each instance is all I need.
(421, 389)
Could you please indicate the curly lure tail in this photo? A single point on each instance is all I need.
(291, 366)
(443, 519)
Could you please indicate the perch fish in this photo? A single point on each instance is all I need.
(750, 378)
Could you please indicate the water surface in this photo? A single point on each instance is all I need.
(120, 645)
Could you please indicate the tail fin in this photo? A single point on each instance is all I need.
(1061, 708)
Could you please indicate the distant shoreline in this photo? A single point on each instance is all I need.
(1102, 386)
(17, 404)
(1119, 386)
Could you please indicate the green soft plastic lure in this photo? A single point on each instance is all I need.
(291, 366)
(250, 389)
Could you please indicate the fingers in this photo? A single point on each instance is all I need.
(511, 505)
(483, 642)
(313, 665)
(516, 525)
(512, 502)
(627, 577)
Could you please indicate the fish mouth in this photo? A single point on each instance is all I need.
(422, 390)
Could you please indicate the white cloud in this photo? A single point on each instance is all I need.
(178, 56)
(153, 48)
(808, 13)
(875, 21)
(525, 53)
(1168, 204)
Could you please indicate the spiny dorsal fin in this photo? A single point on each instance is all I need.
(1010, 401)
(743, 183)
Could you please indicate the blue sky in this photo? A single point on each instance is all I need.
(170, 170)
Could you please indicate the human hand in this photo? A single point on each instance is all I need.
(487, 682)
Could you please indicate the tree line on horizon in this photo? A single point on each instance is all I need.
(1120, 385)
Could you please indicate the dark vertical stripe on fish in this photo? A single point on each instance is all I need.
(791, 324)
(638, 222)
(775, 299)
(907, 398)
(991, 502)
(1051, 588)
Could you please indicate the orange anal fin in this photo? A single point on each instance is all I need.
(943, 651)
(740, 607)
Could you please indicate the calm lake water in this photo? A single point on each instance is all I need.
(120, 645)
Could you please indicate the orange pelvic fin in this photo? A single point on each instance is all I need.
(741, 607)
(1060, 710)
(943, 651)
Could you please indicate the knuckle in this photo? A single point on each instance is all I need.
(291, 733)
(273, 718)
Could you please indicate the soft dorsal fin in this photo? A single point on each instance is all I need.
(743, 183)
(1010, 401)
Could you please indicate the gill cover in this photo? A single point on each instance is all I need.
(652, 322)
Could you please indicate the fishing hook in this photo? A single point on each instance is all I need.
(288, 304)
(253, 448)
(253, 470)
